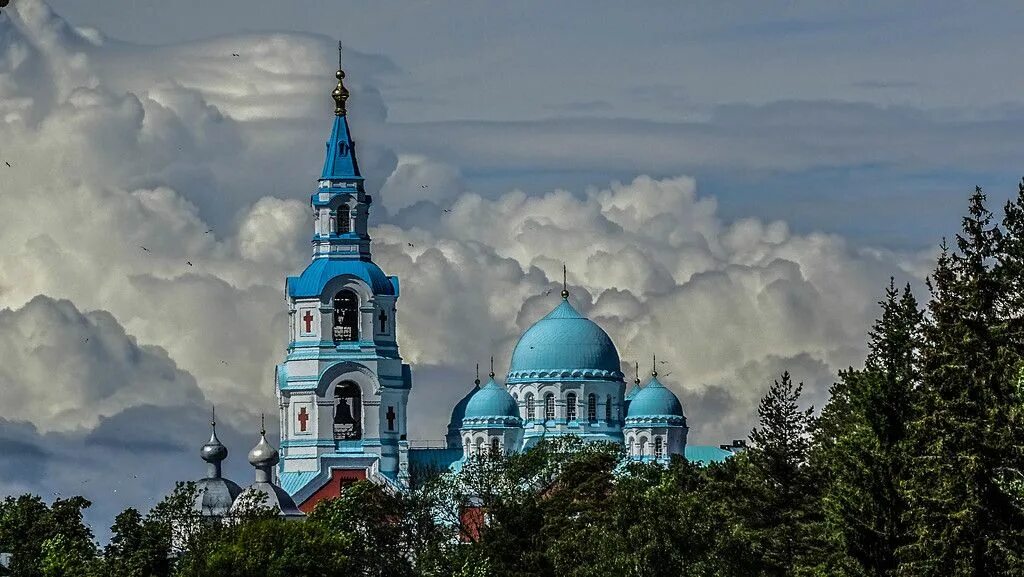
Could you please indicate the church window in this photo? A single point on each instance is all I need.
(549, 407)
(608, 409)
(344, 221)
(642, 448)
(348, 412)
(592, 407)
(495, 449)
(659, 448)
(346, 317)
(570, 406)
(529, 407)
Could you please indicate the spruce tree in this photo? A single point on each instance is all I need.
(860, 445)
(776, 502)
(963, 521)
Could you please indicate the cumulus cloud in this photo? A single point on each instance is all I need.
(62, 370)
(164, 190)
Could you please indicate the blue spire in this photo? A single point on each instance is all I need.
(340, 162)
(341, 157)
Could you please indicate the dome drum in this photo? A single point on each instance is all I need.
(492, 422)
(646, 421)
(560, 375)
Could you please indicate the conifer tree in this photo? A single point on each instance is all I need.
(861, 443)
(776, 502)
(963, 521)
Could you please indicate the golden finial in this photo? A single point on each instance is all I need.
(565, 284)
(477, 381)
(213, 416)
(636, 372)
(654, 365)
(263, 426)
(492, 366)
(340, 93)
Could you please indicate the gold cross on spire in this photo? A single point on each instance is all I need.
(340, 94)
(565, 283)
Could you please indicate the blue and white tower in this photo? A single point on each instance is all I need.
(343, 387)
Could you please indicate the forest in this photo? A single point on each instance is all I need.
(914, 467)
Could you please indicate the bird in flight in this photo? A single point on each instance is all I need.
(447, 210)
(424, 186)
(209, 231)
(188, 262)
(8, 164)
(410, 244)
(143, 248)
(235, 54)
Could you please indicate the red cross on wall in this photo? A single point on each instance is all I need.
(303, 418)
(308, 319)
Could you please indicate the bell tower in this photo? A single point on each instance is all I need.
(342, 388)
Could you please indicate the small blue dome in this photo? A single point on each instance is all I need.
(564, 345)
(459, 412)
(654, 400)
(322, 270)
(490, 402)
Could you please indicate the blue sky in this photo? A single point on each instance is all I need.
(730, 185)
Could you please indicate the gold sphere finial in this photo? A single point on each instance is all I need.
(636, 371)
(654, 363)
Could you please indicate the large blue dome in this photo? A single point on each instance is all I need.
(564, 345)
(654, 400)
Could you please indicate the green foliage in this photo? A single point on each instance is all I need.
(967, 433)
(44, 540)
(776, 506)
(861, 446)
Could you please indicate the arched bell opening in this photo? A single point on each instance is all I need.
(346, 316)
(348, 412)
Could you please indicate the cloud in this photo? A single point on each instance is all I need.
(63, 370)
(158, 197)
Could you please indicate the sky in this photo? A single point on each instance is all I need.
(730, 186)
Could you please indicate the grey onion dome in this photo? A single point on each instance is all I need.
(263, 454)
(213, 451)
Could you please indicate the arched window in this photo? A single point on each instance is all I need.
(592, 407)
(348, 412)
(570, 407)
(529, 407)
(642, 447)
(346, 316)
(344, 220)
(608, 409)
(659, 448)
(549, 407)
(495, 449)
